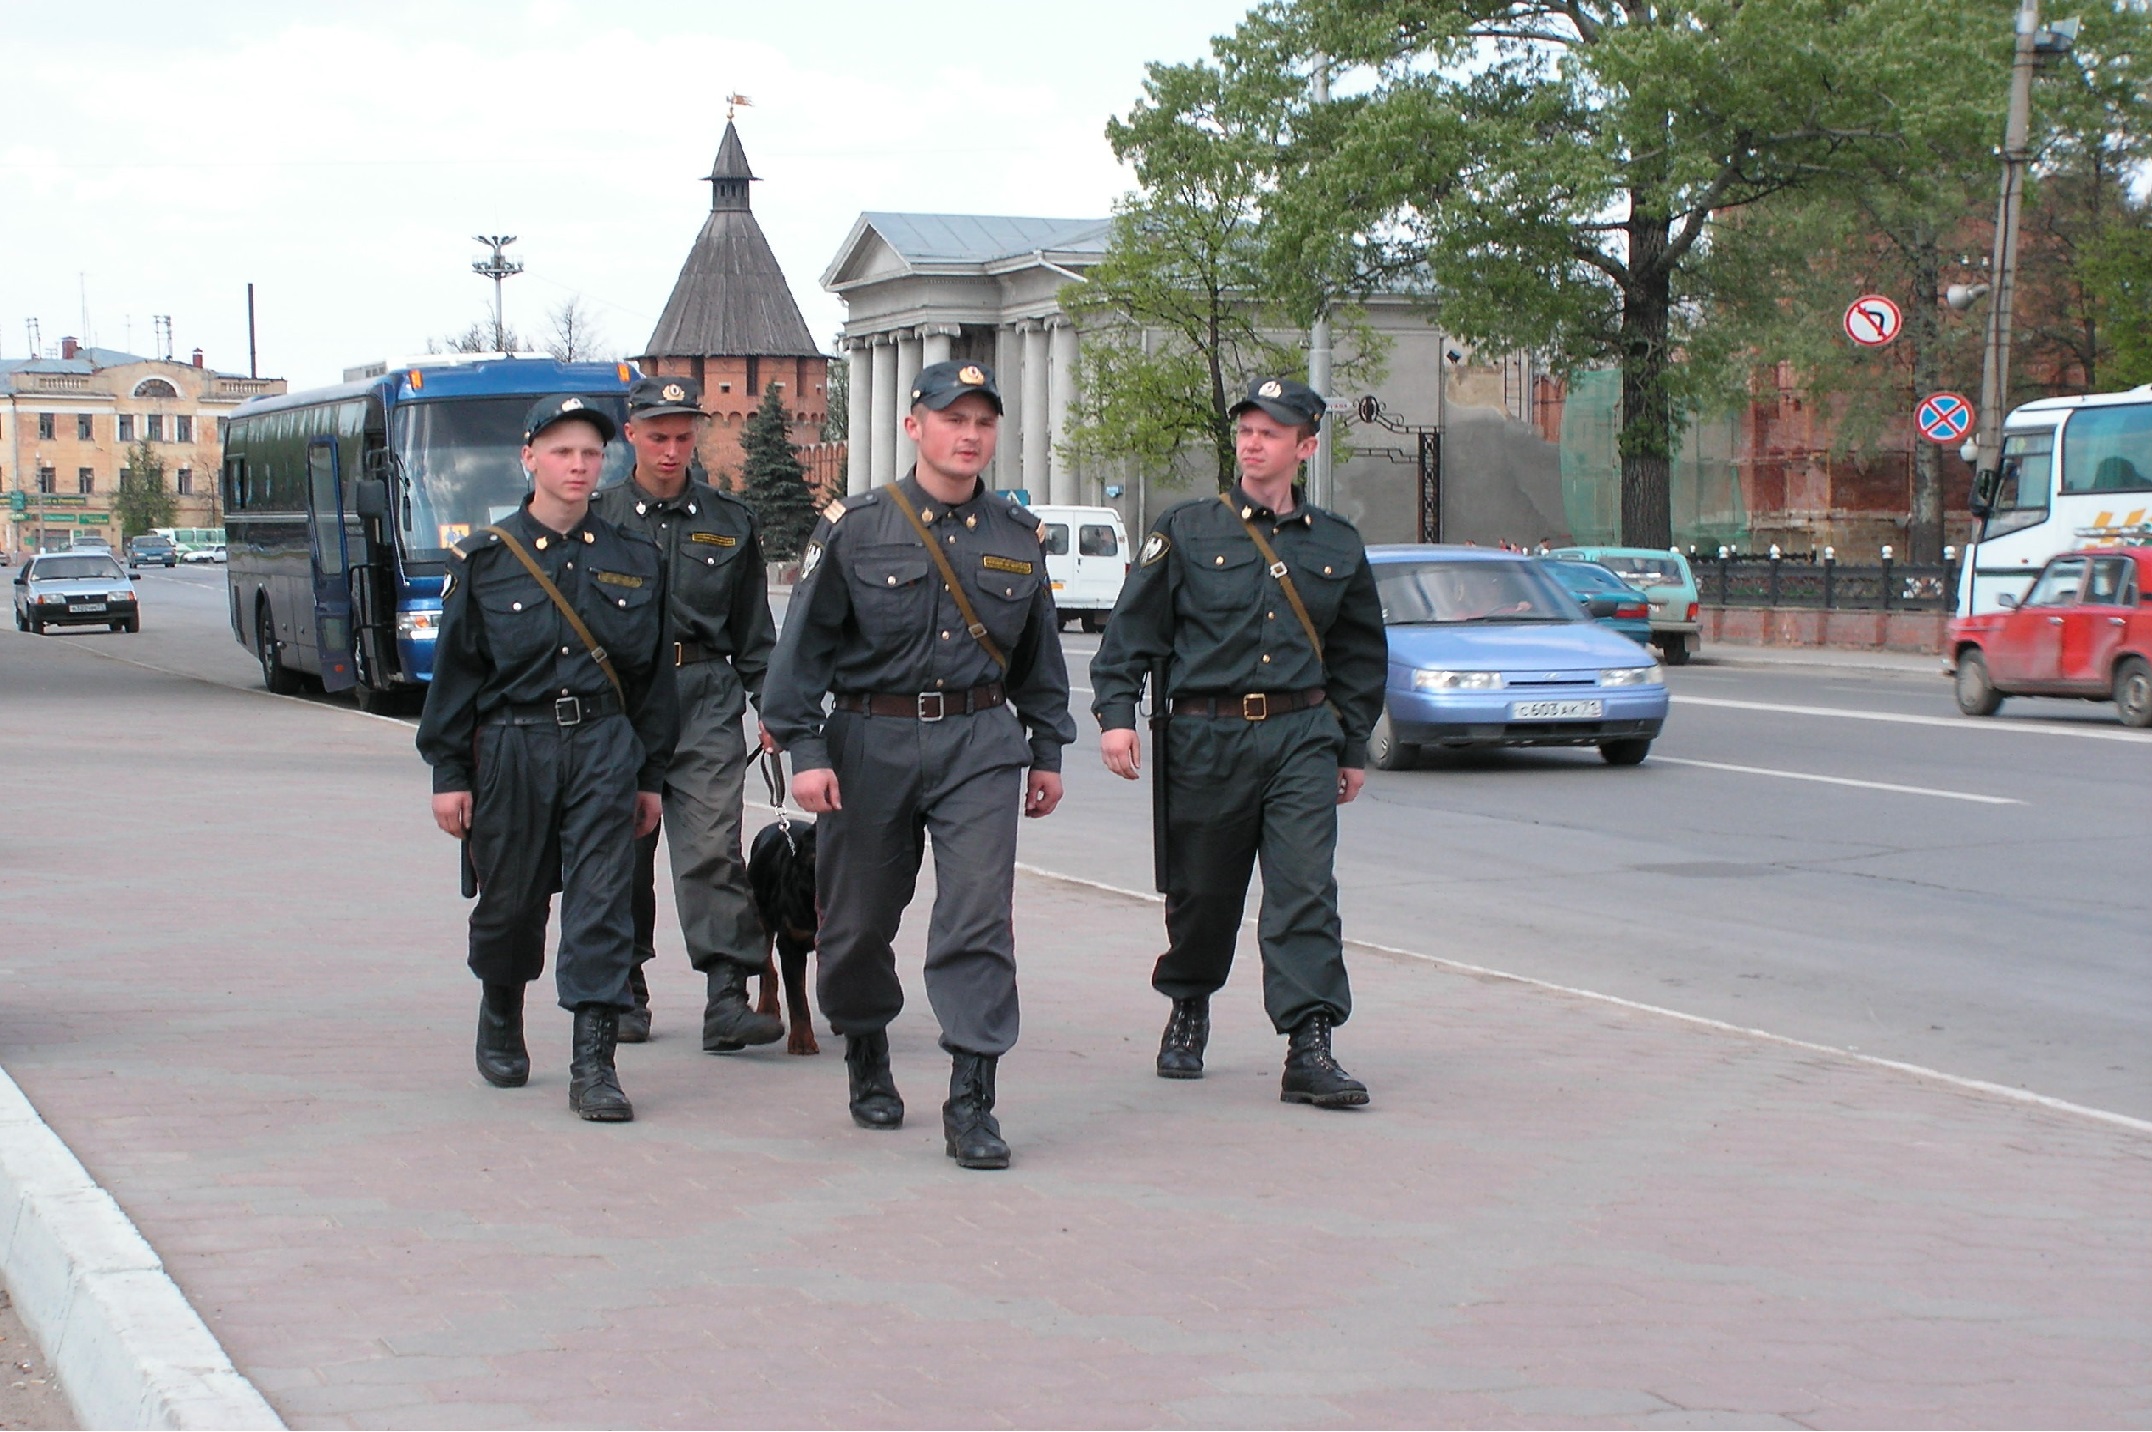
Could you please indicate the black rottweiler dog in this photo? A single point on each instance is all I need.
(780, 872)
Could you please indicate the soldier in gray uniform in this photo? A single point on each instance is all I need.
(549, 732)
(924, 610)
(722, 635)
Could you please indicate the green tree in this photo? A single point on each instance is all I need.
(2117, 272)
(1553, 173)
(143, 501)
(775, 484)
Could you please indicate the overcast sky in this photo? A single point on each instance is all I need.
(157, 158)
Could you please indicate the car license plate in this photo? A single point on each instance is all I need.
(1556, 710)
(85, 606)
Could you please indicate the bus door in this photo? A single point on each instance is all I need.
(332, 585)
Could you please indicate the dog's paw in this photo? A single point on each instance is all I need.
(801, 1041)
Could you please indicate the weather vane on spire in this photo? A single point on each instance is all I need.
(733, 101)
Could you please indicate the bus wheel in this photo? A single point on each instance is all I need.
(276, 677)
(2133, 692)
(1976, 694)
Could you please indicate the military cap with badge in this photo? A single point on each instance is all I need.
(1286, 399)
(660, 397)
(561, 407)
(940, 384)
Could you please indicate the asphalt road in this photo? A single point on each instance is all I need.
(1829, 854)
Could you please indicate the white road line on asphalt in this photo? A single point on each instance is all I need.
(1837, 781)
(1896, 1066)
(1954, 723)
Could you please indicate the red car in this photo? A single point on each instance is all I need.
(2085, 629)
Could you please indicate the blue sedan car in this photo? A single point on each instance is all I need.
(1487, 649)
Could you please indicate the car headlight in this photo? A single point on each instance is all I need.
(418, 626)
(1631, 675)
(1456, 680)
(126, 596)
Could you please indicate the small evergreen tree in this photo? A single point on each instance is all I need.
(774, 483)
(143, 501)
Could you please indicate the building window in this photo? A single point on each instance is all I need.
(85, 480)
(45, 427)
(183, 428)
(185, 479)
(83, 427)
(153, 427)
(155, 388)
(126, 427)
(48, 481)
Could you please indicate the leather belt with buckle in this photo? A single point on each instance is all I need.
(1255, 706)
(926, 705)
(694, 653)
(562, 711)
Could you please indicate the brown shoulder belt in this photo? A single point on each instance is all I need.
(582, 632)
(1278, 570)
(975, 628)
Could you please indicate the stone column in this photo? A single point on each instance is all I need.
(934, 342)
(1008, 376)
(859, 416)
(1034, 419)
(907, 373)
(1060, 391)
(883, 438)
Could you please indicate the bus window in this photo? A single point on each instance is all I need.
(2022, 485)
(2108, 449)
(463, 467)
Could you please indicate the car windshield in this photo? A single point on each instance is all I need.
(1645, 571)
(1588, 576)
(462, 458)
(1421, 593)
(65, 569)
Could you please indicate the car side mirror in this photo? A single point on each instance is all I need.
(2007, 602)
(370, 496)
(22, 578)
(1603, 606)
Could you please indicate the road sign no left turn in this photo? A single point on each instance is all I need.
(1873, 320)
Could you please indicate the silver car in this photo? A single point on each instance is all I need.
(75, 589)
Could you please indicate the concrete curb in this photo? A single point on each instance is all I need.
(125, 1345)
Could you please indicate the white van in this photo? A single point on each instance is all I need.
(1087, 557)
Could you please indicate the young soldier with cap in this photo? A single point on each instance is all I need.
(549, 727)
(722, 635)
(924, 609)
(1261, 616)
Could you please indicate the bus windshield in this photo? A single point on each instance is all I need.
(2022, 483)
(463, 469)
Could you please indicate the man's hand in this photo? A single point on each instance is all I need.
(1042, 792)
(1349, 783)
(1122, 751)
(452, 812)
(816, 791)
(649, 809)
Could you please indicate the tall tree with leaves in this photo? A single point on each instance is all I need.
(143, 501)
(774, 482)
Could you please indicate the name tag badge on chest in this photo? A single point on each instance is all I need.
(993, 563)
(618, 579)
(713, 539)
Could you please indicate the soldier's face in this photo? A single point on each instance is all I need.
(662, 445)
(565, 461)
(1268, 449)
(958, 440)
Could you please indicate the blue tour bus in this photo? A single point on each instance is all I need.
(340, 505)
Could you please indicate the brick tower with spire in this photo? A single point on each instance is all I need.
(731, 324)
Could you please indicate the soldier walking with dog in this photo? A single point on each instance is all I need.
(722, 635)
(549, 726)
(923, 609)
(1257, 618)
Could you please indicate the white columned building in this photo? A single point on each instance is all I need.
(907, 373)
(882, 442)
(1037, 417)
(1060, 392)
(859, 417)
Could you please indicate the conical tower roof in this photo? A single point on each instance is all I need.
(731, 299)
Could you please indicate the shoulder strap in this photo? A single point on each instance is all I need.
(582, 632)
(973, 626)
(1278, 570)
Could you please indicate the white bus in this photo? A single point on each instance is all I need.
(2075, 472)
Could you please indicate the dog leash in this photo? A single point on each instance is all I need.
(773, 776)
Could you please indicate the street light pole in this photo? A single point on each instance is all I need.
(1321, 488)
(1995, 362)
(497, 268)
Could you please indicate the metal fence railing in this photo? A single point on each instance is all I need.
(1821, 581)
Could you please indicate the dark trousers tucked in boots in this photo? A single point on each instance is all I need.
(970, 1131)
(635, 1023)
(876, 1104)
(1312, 1075)
(593, 1086)
(1180, 1048)
(729, 1022)
(502, 1058)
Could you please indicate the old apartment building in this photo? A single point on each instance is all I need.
(67, 424)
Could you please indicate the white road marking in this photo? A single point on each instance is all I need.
(1837, 781)
(1955, 723)
(1896, 1066)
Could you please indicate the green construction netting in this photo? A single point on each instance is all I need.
(1706, 494)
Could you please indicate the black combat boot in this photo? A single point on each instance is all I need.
(876, 1104)
(502, 1059)
(593, 1087)
(1180, 1049)
(635, 1023)
(1312, 1076)
(969, 1129)
(729, 1023)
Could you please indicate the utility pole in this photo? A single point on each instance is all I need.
(1321, 488)
(253, 368)
(497, 268)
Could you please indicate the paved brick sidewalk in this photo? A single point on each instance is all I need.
(234, 988)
